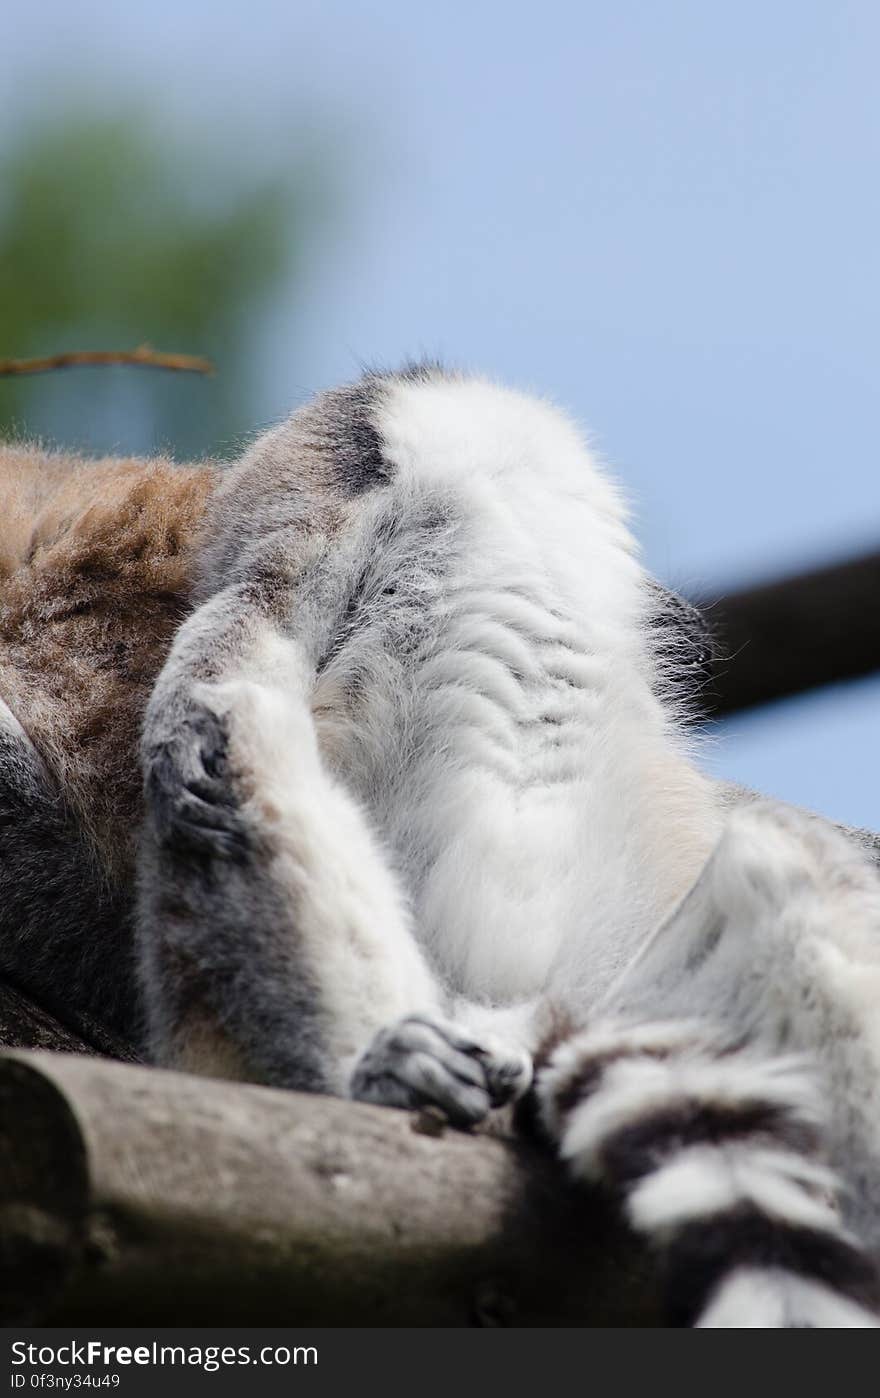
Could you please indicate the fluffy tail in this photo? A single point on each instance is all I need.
(715, 1156)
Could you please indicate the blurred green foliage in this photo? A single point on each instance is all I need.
(112, 236)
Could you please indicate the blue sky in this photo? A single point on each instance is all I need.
(666, 216)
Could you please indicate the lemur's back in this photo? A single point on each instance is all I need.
(487, 681)
(96, 562)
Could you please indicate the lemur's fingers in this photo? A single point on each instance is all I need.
(426, 1062)
(506, 1070)
(189, 784)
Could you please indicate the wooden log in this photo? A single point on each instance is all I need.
(136, 1196)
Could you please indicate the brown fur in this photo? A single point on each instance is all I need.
(96, 565)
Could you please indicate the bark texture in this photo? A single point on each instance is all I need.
(135, 1196)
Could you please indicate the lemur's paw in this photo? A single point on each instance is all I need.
(190, 791)
(421, 1061)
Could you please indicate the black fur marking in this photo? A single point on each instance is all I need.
(704, 1253)
(586, 1078)
(638, 1149)
(350, 427)
(348, 432)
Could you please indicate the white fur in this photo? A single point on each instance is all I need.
(772, 1299)
(707, 1180)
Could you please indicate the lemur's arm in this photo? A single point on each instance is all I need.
(274, 940)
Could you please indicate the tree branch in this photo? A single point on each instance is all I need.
(144, 356)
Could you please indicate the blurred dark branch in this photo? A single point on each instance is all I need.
(797, 633)
(144, 356)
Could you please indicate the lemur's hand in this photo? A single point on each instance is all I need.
(422, 1061)
(189, 784)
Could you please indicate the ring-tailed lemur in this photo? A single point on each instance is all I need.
(420, 813)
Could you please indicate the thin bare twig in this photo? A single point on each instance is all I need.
(144, 355)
